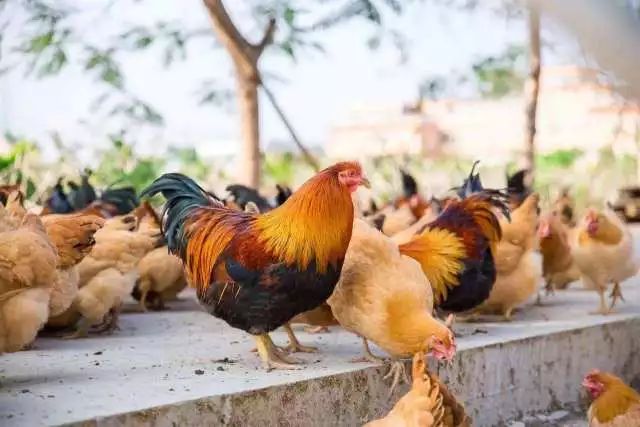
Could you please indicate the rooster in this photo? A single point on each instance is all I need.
(257, 271)
(615, 404)
(457, 250)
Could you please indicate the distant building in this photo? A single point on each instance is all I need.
(577, 109)
(383, 130)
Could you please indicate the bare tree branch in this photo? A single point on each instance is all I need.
(244, 53)
(240, 49)
(532, 88)
(308, 157)
(267, 38)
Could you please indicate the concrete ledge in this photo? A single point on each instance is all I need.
(169, 368)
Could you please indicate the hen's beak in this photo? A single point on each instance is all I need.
(365, 182)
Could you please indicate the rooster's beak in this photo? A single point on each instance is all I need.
(365, 181)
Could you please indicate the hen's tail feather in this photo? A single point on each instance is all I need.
(183, 196)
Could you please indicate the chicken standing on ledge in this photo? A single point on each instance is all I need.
(257, 272)
(73, 237)
(602, 248)
(27, 272)
(384, 297)
(558, 266)
(517, 265)
(615, 404)
(457, 250)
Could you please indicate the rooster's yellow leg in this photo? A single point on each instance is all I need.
(316, 329)
(368, 355)
(272, 358)
(82, 330)
(294, 345)
(616, 293)
(396, 371)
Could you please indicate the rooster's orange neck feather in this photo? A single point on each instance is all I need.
(314, 224)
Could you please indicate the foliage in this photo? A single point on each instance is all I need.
(559, 158)
(120, 165)
(190, 163)
(501, 75)
(49, 41)
(14, 165)
(279, 168)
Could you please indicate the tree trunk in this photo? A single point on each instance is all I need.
(250, 126)
(532, 86)
(245, 56)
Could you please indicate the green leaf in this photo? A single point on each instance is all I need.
(111, 76)
(143, 42)
(289, 16)
(41, 42)
(19, 176)
(287, 47)
(7, 161)
(31, 188)
(55, 64)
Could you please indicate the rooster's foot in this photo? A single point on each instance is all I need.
(294, 345)
(272, 357)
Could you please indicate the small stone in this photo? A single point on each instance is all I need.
(171, 389)
(97, 353)
(97, 363)
(220, 368)
(557, 415)
(24, 391)
(198, 372)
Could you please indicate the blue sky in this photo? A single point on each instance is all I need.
(317, 90)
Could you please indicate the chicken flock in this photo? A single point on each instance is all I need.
(395, 276)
